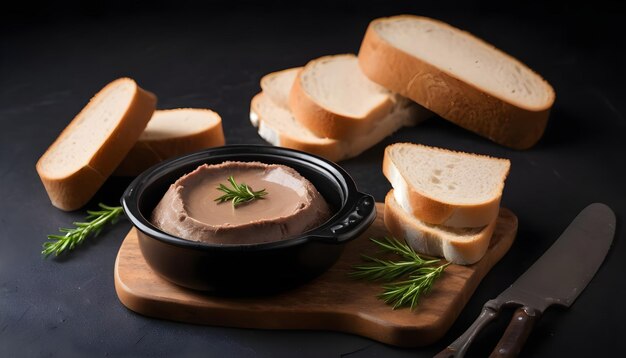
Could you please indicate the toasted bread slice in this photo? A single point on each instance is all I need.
(461, 246)
(171, 133)
(94, 143)
(277, 85)
(332, 98)
(278, 126)
(443, 187)
(458, 76)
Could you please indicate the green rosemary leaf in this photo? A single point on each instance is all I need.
(96, 220)
(239, 193)
(419, 273)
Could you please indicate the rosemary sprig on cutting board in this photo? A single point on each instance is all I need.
(419, 274)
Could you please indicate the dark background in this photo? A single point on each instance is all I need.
(55, 56)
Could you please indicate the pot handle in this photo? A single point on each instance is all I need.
(352, 223)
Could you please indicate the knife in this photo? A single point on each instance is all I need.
(557, 278)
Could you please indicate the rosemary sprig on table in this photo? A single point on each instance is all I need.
(420, 273)
(94, 223)
(239, 193)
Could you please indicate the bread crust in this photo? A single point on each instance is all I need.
(335, 149)
(74, 190)
(330, 150)
(427, 241)
(451, 98)
(435, 212)
(266, 87)
(324, 122)
(146, 153)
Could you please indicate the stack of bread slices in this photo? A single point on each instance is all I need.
(443, 203)
(338, 106)
(329, 108)
(120, 132)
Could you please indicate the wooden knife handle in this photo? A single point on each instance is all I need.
(516, 333)
(459, 347)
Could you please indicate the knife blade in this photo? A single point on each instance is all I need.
(557, 278)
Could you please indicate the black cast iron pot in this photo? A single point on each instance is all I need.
(257, 268)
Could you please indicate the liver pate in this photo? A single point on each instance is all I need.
(189, 210)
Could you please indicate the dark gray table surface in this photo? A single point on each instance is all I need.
(214, 58)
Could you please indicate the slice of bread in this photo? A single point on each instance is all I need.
(277, 85)
(443, 187)
(458, 76)
(332, 98)
(461, 246)
(278, 126)
(171, 133)
(94, 143)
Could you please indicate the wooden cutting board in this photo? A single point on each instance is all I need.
(332, 301)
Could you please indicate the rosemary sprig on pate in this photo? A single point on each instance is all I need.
(239, 193)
